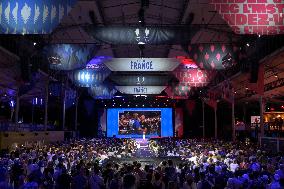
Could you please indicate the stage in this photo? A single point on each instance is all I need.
(144, 155)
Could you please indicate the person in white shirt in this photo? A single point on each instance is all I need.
(234, 166)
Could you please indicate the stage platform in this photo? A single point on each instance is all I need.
(143, 149)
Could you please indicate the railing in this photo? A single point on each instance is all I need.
(24, 127)
(272, 144)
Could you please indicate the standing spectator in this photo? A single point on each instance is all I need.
(95, 180)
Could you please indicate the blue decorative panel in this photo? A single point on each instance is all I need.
(69, 56)
(32, 16)
(102, 92)
(89, 77)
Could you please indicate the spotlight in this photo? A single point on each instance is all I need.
(247, 44)
(34, 43)
(247, 88)
(141, 16)
(276, 76)
(227, 61)
(12, 103)
(259, 35)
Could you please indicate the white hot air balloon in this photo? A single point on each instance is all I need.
(15, 13)
(0, 12)
(60, 12)
(37, 13)
(26, 13)
(7, 13)
(53, 13)
(45, 13)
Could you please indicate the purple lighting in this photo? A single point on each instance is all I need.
(97, 62)
(37, 101)
(12, 104)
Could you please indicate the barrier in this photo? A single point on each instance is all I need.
(271, 143)
(12, 139)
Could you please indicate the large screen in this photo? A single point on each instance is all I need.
(135, 122)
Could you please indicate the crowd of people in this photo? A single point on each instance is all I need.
(97, 164)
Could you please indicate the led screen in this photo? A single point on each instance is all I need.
(134, 122)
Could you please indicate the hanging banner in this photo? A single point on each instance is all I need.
(123, 35)
(140, 90)
(142, 64)
(213, 56)
(192, 77)
(141, 80)
(32, 16)
(89, 77)
(69, 56)
(178, 91)
(97, 63)
(179, 122)
(263, 17)
(102, 92)
(227, 91)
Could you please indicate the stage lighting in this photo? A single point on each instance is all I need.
(12, 104)
(247, 44)
(227, 61)
(141, 16)
(54, 60)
